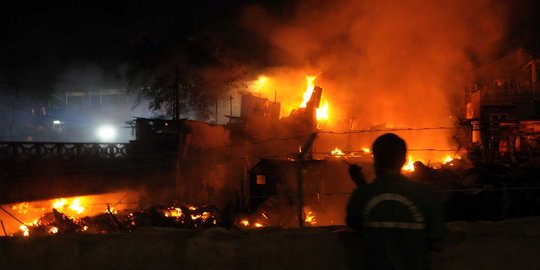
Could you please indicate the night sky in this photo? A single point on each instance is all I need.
(40, 41)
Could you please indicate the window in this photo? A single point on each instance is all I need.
(498, 116)
(261, 179)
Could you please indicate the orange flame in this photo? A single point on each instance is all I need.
(337, 152)
(409, 166)
(310, 216)
(76, 206)
(322, 112)
(63, 205)
(309, 90)
(25, 230)
(447, 159)
(53, 230)
(258, 225)
(244, 222)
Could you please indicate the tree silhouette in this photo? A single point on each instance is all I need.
(201, 66)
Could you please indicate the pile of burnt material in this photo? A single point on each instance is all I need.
(177, 216)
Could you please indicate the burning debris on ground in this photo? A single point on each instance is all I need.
(62, 219)
(177, 215)
(269, 215)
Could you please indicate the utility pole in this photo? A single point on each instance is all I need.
(347, 148)
(230, 108)
(217, 111)
(533, 76)
(176, 106)
(300, 193)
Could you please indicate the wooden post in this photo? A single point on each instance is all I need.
(176, 106)
(348, 147)
(216, 111)
(299, 159)
(230, 108)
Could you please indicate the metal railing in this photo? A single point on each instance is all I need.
(45, 150)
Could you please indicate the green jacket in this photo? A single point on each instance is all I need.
(401, 221)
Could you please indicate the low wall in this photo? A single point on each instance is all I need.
(511, 244)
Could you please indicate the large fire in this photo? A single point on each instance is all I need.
(322, 112)
(266, 86)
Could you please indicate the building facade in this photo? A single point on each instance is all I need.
(503, 107)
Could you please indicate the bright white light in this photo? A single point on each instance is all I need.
(57, 122)
(106, 133)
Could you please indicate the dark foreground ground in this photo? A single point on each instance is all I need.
(510, 244)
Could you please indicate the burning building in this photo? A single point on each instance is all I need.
(251, 164)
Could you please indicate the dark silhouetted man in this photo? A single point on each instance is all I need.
(400, 219)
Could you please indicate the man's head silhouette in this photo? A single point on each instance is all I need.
(389, 152)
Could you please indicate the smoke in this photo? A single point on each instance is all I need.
(398, 63)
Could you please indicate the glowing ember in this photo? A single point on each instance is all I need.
(174, 212)
(448, 159)
(53, 230)
(244, 222)
(204, 216)
(111, 210)
(21, 208)
(366, 150)
(258, 225)
(409, 165)
(309, 216)
(337, 152)
(25, 230)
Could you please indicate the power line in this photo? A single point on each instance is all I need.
(392, 129)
